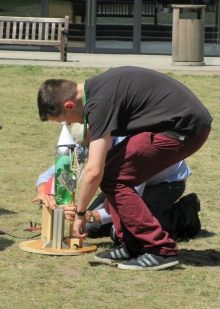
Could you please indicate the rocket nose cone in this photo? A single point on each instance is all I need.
(65, 137)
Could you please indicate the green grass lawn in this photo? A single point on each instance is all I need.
(29, 280)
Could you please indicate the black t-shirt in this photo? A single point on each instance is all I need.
(129, 100)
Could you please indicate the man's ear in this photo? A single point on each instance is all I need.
(69, 105)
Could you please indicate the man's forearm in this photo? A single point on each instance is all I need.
(40, 188)
(94, 214)
(89, 187)
(100, 216)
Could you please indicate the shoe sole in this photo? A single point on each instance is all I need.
(160, 267)
(108, 261)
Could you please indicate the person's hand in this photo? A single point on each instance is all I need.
(80, 221)
(69, 211)
(47, 199)
(80, 227)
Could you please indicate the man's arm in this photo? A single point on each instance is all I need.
(91, 179)
(45, 176)
(100, 214)
(48, 199)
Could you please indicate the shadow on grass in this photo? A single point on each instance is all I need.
(104, 244)
(202, 234)
(6, 212)
(200, 258)
(209, 257)
(97, 264)
(4, 243)
(205, 234)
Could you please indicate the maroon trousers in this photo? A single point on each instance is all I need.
(130, 163)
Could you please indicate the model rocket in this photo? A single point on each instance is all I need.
(65, 181)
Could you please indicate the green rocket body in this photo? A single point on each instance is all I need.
(65, 182)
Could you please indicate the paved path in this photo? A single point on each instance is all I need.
(78, 60)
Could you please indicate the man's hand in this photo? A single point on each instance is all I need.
(69, 211)
(47, 199)
(80, 221)
(80, 227)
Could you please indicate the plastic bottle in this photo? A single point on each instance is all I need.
(65, 182)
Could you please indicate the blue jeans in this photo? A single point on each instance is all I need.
(162, 201)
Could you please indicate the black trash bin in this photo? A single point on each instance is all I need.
(188, 34)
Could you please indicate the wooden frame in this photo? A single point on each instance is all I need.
(35, 31)
(59, 245)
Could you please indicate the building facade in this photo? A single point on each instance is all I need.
(121, 26)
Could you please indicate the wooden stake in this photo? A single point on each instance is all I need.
(47, 224)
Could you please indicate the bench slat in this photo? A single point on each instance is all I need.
(33, 32)
(27, 30)
(21, 25)
(14, 30)
(46, 31)
(59, 32)
(53, 31)
(40, 32)
(1, 29)
(30, 42)
(8, 29)
(33, 19)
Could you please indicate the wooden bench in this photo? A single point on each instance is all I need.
(115, 8)
(35, 31)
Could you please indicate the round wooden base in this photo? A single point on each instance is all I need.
(36, 246)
